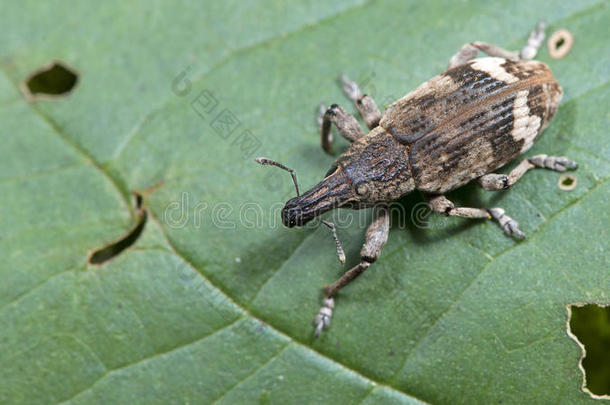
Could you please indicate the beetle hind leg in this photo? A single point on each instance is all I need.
(471, 50)
(495, 182)
(442, 205)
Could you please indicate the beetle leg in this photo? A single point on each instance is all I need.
(365, 104)
(509, 225)
(534, 42)
(494, 182)
(471, 50)
(376, 237)
(557, 163)
(346, 124)
(443, 206)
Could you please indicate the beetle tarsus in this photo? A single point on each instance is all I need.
(509, 225)
(346, 124)
(440, 204)
(365, 104)
(350, 88)
(557, 163)
(322, 320)
(376, 237)
(534, 42)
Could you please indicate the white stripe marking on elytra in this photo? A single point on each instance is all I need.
(525, 126)
(492, 67)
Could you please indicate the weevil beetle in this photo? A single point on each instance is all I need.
(461, 125)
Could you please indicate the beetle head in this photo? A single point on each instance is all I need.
(332, 192)
(374, 169)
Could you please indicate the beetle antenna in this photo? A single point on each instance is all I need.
(264, 161)
(340, 251)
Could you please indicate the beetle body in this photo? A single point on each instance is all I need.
(461, 125)
(455, 127)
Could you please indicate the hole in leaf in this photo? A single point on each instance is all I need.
(589, 325)
(114, 249)
(567, 182)
(560, 43)
(51, 81)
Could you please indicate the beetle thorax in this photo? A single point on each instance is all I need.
(378, 167)
(374, 169)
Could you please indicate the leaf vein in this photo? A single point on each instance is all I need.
(259, 368)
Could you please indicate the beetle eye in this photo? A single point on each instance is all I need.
(362, 189)
(331, 170)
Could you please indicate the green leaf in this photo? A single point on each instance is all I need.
(215, 300)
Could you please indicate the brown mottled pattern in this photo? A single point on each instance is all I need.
(554, 94)
(441, 162)
(523, 70)
(378, 167)
(458, 125)
(436, 101)
(419, 111)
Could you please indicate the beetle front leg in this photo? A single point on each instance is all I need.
(494, 182)
(364, 103)
(346, 124)
(443, 206)
(376, 237)
(471, 50)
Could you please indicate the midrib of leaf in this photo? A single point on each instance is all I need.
(256, 370)
(149, 358)
(182, 256)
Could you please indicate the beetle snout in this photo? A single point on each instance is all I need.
(332, 192)
(292, 214)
